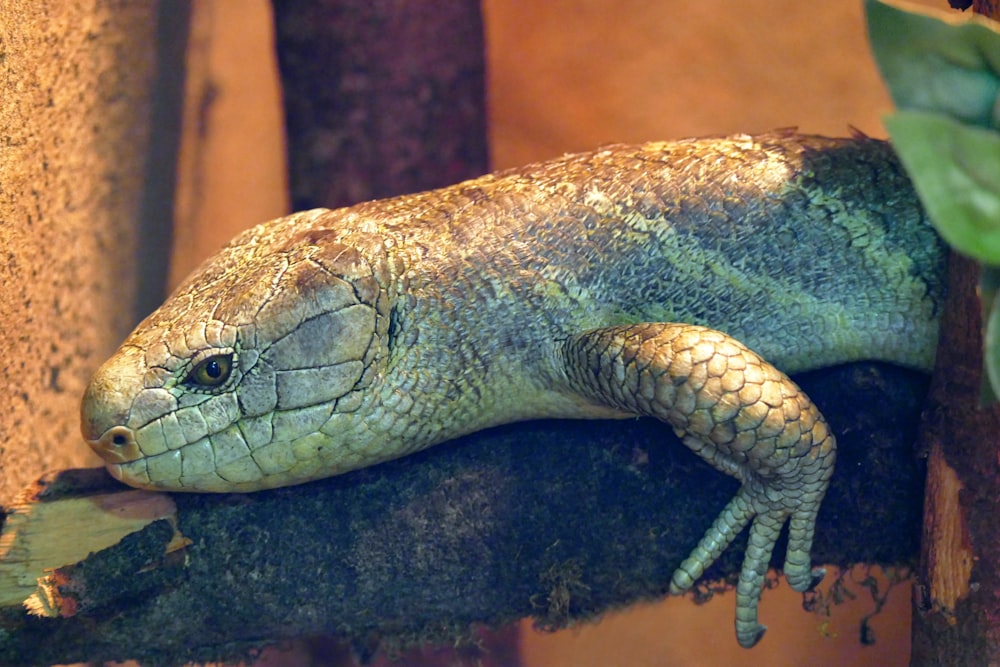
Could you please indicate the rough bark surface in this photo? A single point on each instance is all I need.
(381, 98)
(560, 520)
(76, 148)
(960, 627)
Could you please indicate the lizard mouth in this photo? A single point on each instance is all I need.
(125, 475)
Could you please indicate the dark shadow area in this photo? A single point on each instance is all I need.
(156, 217)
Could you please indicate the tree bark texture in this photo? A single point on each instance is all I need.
(381, 98)
(956, 618)
(560, 520)
(83, 177)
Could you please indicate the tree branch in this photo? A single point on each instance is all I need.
(561, 520)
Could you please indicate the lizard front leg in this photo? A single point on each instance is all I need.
(739, 413)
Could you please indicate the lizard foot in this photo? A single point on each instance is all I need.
(766, 508)
(744, 417)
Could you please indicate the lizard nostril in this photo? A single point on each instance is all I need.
(117, 445)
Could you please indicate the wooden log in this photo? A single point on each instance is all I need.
(60, 521)
(957, 591)
(557, 520)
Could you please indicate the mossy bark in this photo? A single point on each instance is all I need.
(560, 520)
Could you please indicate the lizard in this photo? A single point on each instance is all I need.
(665, 279)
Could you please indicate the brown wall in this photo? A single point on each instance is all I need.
(570, 75)
(74, 140)
(232, 161)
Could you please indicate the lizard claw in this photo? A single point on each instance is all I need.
(765, 507)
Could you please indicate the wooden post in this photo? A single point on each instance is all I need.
(956, 604)
(381, 98)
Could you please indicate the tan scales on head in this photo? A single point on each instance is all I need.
(216, 392)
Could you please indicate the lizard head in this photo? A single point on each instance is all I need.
(226, 386)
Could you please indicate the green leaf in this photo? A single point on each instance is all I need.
(989, 281)
(935, 61)
(943, 72)
(955, 169)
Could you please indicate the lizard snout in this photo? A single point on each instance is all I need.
(105, 411)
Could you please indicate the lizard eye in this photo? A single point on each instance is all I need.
(211, 371)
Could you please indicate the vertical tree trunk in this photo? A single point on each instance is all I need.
(381, 98)
(957, 593)
(84, 194)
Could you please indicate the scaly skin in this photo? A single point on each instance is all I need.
(578, 288)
